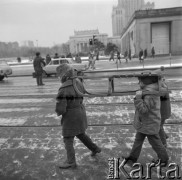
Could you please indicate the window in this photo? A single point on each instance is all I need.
(64, 61)
(56, 62)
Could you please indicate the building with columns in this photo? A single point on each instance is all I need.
(79, 42)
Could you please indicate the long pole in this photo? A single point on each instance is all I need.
(37, 43)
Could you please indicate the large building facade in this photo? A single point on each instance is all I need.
(80, 41)
(122, 13)
(158, 28)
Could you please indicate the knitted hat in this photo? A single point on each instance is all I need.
(148, 79)
(63, 69)
(37, 53)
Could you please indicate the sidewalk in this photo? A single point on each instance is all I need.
(157, 61)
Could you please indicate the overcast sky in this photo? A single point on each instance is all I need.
(54, 21)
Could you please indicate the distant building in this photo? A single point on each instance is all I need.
(27, 43)
(79, 42)
(160, 28)
(14, 45)
(117, 20)
(122, 13)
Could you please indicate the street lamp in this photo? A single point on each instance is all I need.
(37, 43)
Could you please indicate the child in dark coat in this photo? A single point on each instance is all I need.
(74, 121)
(147, 120)
(165, 105)
(165, 110)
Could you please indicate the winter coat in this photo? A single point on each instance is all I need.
(78, 59)
(140, 54)
(165, 105)
(70, 106)
(153, 51)
(38, 63)
(147, 118)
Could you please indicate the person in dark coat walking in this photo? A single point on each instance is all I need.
(129, 54)
(126, 55)
(145, 54)
(74, 120)
(118, 57)
(165, 106)
(153, 52)
(141, 55)
(97, 54)
(165, 111)
(38, 65)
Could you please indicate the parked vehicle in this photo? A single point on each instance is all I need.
(5, 70)
(50, 69)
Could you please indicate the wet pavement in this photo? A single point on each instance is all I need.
(31, 145)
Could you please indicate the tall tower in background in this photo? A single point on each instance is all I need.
(117, 20)
(122, 13)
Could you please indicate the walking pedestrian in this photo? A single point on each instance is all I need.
(78, 59)
(97, 54)
(126, 55)
(91, 61)
(165, 111)
(129, 54)
(38, 65)
(48, 59)
(118, 57)
(111, 56)
(90, 57)
(147, 121)
(141, 55)
(145, 53)
(165, 107)
(153, 52)
(74, 120)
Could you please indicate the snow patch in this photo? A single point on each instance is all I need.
(19, 101)
(19, 109)
(12, 121)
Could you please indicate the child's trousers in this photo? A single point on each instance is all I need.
(84, 138)
(154, 141)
